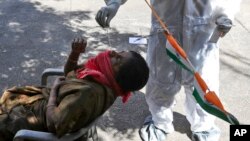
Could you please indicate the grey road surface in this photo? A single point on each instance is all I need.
(37, 34)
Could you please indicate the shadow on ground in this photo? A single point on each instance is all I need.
(239, 63)
(127, 118)
(34, 37)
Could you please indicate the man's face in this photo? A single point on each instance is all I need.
(118, 58)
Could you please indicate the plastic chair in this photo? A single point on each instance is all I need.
(84, 133)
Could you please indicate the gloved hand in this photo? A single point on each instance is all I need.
(106, 14)
(224, 25)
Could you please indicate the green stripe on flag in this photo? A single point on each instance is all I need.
(214, 110)
(176, 59)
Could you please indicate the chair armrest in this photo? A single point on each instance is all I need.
(25, 134)
(34, 135)
(50, 72)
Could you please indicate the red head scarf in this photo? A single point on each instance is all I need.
(100, 69)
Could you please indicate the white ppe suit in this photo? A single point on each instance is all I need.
(192, 23)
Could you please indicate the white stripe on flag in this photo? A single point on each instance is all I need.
(199, 90)
(183, 61)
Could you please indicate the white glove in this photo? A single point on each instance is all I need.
(224, 25)
(106, 14)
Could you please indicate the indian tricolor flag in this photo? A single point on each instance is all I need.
(207, 99)
(177, 54)
(210, 102)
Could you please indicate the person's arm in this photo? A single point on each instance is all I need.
(52, 108)
(62, 117)
(107, 13)
(225, 13)
(118, 1)
(78, 46)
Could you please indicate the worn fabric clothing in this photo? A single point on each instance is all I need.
(192, 23)
(209, 135)
(80, 102)
(100, 69)
(149, 132)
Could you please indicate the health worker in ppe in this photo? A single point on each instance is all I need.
(196, 25)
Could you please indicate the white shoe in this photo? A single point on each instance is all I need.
(210, 135)
(149, 132)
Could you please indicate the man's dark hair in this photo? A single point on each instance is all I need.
(133, 74)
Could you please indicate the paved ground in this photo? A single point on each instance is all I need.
(36, 34)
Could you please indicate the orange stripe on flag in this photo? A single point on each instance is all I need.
(201, 82)
(213, 98)
(210, 96)
(157, 17)
(177, 47)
